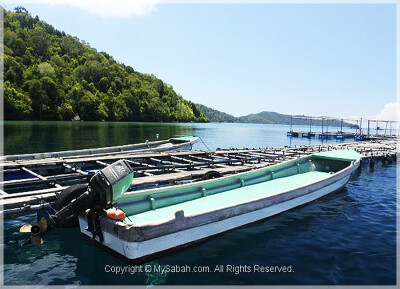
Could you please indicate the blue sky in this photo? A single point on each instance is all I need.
(313, 59)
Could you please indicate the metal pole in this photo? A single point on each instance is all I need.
(386, 127)
(322, 125)
(341, 126)
(368, 127)
(327, 126)
(377, 128)
(291, 122)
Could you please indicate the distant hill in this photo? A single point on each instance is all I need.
(216, 115)
(267, 117)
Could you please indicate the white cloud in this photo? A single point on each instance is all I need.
(105, 8)
(391, 111)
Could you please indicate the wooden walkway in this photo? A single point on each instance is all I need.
(31, 184)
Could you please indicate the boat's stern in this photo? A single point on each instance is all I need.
(107, 237)
(336, 160)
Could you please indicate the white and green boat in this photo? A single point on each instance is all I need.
(174, 143)
(168, 218)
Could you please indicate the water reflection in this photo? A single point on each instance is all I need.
(30, 137)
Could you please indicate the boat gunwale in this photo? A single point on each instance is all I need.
(183, 186)
(269, 169)
(329, 177)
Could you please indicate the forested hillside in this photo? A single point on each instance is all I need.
(279, 118)
(267, 117)
(50, 75)
(216, 115)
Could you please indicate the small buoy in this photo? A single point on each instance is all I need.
(116, 214)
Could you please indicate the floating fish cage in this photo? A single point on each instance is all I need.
(27, 184)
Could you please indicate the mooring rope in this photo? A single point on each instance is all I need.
(204, 143)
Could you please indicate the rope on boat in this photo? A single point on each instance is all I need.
(204, 143)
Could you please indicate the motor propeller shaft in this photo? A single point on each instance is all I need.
(36, 231)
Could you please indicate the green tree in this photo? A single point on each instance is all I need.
(39, 40)
(17, 105)
(21, 9)
(39, 99)
(45, 69)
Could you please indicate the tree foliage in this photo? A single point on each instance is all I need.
(49, 75)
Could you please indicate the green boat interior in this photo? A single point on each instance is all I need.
(182, 139)
(161, 204)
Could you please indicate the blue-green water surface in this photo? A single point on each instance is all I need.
(347, 238)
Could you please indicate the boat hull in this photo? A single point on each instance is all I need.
(138, 251)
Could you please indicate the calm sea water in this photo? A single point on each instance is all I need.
(348, 238)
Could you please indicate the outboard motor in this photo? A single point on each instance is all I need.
(102, 192)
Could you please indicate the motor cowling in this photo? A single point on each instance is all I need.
(110, 183)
